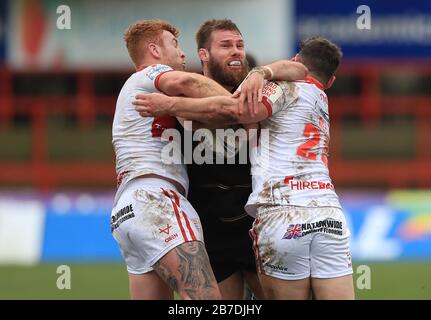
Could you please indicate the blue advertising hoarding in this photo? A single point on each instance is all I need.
(389, 226)
(398, 28)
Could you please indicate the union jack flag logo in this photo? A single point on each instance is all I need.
(294, 231)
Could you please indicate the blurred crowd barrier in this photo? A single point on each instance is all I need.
(56, 127)
(58, 86)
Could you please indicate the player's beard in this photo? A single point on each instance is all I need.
(227, 78)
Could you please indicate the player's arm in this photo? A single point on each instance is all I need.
(187, 84)
(214, 111)
(277, 96)
(252, 86)
(209, 112)
(285, 70)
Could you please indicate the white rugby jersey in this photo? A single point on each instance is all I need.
(291, 166)
(137, 140)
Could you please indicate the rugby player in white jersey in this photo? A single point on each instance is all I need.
(158, 231)
(300, 235)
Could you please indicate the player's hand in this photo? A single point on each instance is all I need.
(152, 104)
(250, 94)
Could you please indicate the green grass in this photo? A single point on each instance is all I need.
(109, 281)
(397, 281)
(88, 281)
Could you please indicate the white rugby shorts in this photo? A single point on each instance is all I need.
(293, 243)
(149, 220)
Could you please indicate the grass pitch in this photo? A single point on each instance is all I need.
(110, 281)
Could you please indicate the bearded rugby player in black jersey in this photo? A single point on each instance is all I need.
(220, 191)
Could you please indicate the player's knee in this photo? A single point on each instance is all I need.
(269, 291)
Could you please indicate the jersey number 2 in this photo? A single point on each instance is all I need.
(314, 136)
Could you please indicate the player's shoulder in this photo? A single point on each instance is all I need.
(286, 88)
(151, 72)
(308, 89)
(308, 85)
(287, 85)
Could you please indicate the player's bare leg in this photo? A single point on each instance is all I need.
(186, 269)
(253, 282)
(277, 289)
(149, 286)
(340, 288)
(232, 288)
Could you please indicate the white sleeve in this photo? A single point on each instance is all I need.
(277, 96)
(151, 76)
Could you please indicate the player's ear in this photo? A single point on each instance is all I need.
(203, 54)
(330, 82)
(154, 50)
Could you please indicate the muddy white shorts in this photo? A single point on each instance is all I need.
(149, 219)
(292, 243)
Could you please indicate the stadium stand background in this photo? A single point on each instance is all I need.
(57, 97)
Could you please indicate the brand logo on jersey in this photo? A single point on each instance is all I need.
(278, 268)
(155, 70)
(307, 185)
(272, 91)
(295, 231)
(171, 237)
(196, 223)
(165, 230)
(121, 215)
(349, 259)
(324, 114)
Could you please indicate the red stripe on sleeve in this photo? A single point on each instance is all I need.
(156, 81)
(268, 105)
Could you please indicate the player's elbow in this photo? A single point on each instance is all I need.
(297, 71)
(301, 71)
